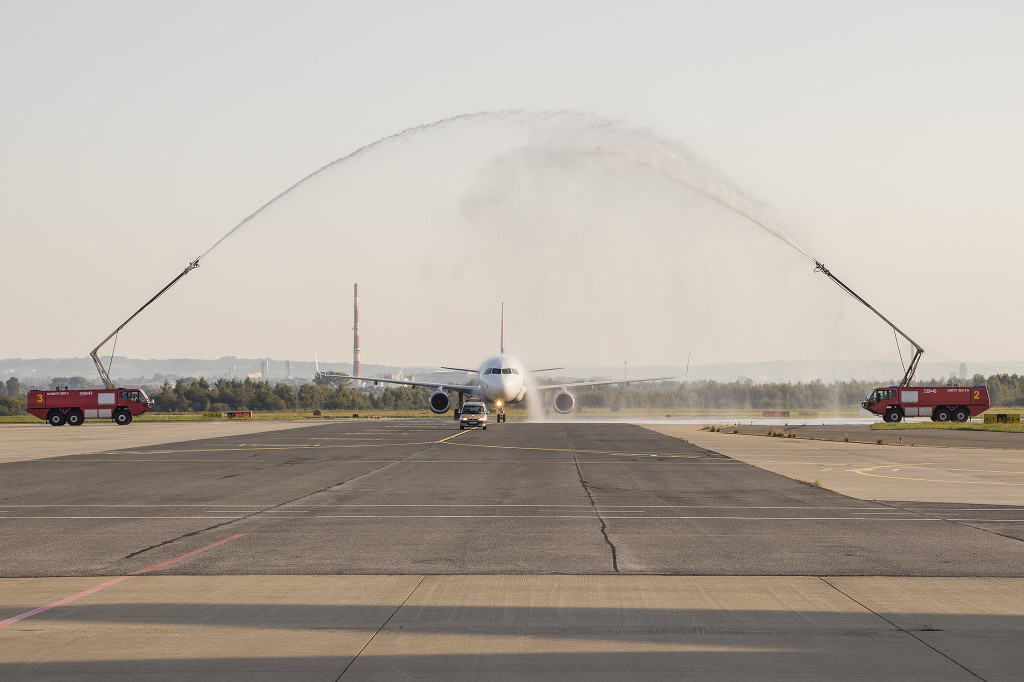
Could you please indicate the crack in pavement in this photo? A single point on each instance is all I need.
(901, 629)
(593, 504)
(944, 516)
(381, 628)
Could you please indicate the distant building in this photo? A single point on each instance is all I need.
(963, 370)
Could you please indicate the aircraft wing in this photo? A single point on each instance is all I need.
(552, 387)
(458, 388)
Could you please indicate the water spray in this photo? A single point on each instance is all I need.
(94, 354)
(918, 350)
(365, 148)
(667, 159)
(696, 176)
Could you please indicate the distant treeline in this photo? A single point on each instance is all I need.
(198, 395)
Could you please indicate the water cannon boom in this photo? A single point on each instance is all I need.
(918, 350)
(95, 351)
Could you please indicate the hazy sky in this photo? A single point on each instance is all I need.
(884, 137)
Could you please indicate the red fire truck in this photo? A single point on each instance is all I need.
(120, 404)
(74, 407)
(941, 403)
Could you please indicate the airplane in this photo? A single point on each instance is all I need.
(501, 381)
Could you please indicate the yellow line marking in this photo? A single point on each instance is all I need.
(247, 448)
(934, 480)
(455, 435)
(933, 466)
(323, 447)
(359, 461)
(579, 452)
(977, 471)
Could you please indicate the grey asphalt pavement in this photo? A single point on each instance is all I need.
(418, 497)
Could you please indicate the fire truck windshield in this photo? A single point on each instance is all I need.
(880, 394)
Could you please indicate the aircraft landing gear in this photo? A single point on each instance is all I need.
(501, 414)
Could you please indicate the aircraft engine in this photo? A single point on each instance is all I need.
(440, 402)
(565, 402)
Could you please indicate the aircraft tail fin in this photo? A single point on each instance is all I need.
(502, 327)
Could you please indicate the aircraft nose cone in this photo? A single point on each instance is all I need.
(513, 386)
(507, 381)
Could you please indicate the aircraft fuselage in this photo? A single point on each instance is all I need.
(502, 380)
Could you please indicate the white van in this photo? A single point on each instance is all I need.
(474, 413)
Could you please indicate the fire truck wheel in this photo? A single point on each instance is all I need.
(961, 414)
(75, 418)
(123, 417)
(56, 418)
(893, 415)
(942, 415)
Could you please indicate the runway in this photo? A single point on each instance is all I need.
(606, 548)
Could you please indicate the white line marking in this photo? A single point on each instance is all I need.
(971, 509)
(15, 518)
(633, 518)
(551, 506)
(886, 511)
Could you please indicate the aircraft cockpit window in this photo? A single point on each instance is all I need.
(506, 370)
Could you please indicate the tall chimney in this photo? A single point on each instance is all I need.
(356, 369)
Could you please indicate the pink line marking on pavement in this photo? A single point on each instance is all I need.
(111, 583)
(15, 619)
(185, 556)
